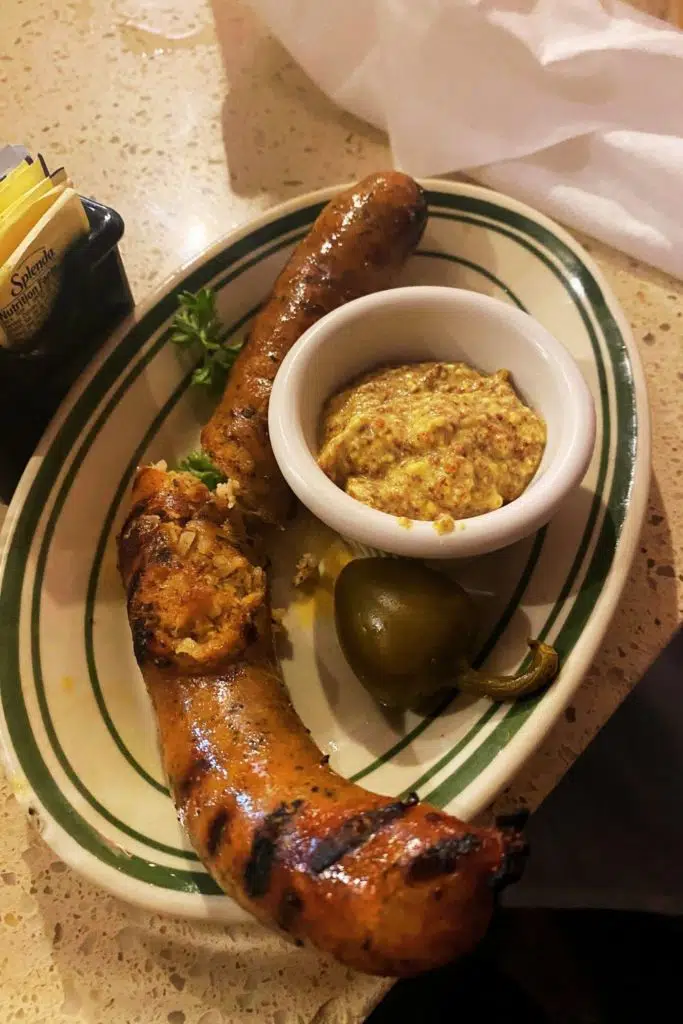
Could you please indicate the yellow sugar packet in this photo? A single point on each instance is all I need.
(30, 274)
(55, 181)
(19, 180)
(17, 229)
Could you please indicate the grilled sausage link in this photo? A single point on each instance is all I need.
(388, 886)
(355, 246)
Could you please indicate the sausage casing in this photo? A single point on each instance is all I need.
(355, 246)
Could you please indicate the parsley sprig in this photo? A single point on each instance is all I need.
(199, 464)
(196, 326)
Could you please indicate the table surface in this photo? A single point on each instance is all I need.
(189, 119)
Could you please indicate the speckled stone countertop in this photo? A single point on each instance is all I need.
(187, 118)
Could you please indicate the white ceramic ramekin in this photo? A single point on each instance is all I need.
(431, 323)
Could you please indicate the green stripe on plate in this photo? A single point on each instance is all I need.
(100, 549)
(15, 712)
(605, 547)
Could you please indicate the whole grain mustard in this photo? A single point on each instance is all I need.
(431, 441)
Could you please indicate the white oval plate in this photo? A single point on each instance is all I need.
(78, 733)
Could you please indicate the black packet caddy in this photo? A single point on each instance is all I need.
(94, 296)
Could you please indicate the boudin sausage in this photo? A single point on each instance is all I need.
(388, 886)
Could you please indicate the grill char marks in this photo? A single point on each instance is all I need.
(143, 637)
(216, 831)
(516, 853)
(188, 782)
(264, 849)
(442, 858)
(133, 584)
(290, 907)
(354, 832)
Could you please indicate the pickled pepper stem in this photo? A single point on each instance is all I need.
(542, 670)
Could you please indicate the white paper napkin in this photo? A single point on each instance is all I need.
(575, 106)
